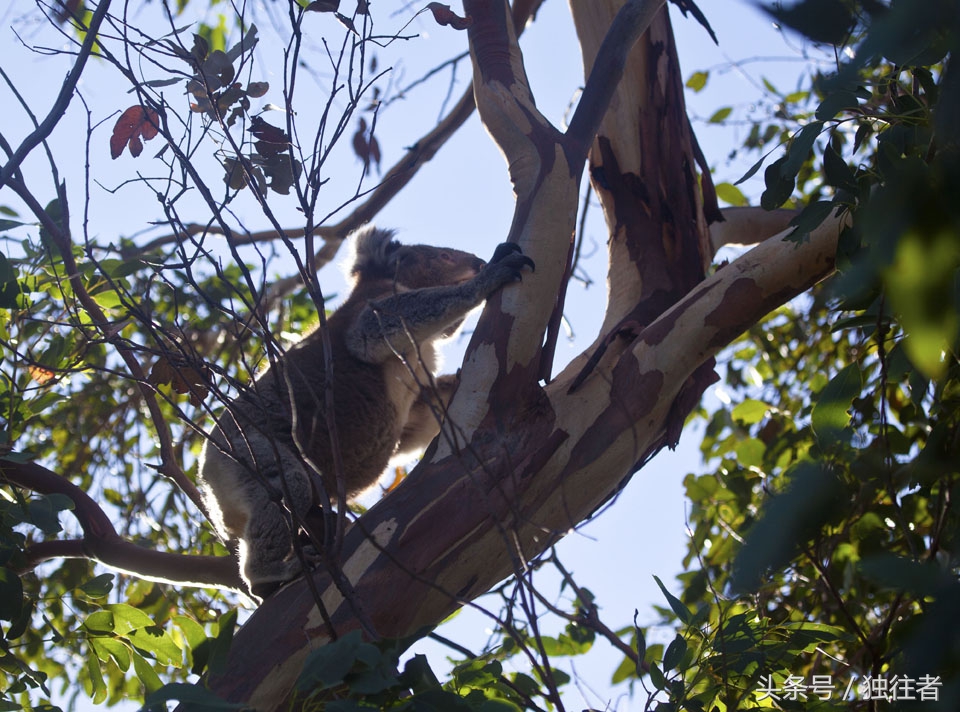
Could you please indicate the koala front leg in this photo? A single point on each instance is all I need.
(399, 323)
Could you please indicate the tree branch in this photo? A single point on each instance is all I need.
(631, 21)
(748, 226)
(395, 179)
(102, 543)
(516, 465)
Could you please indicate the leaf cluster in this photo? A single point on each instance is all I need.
(825, 539)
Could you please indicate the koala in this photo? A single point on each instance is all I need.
(270, 441)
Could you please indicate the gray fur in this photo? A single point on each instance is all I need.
(270, 452)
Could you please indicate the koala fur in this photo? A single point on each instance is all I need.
(383, 338)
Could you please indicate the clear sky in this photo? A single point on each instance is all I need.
(463, 199)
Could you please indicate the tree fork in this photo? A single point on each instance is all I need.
(518, 465)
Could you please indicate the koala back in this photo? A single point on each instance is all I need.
(371, 401)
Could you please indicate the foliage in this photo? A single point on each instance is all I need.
(823, 561)
(115, 352)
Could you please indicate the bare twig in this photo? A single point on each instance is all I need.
(59, 108)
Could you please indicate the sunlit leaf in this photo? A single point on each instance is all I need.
(697, 81)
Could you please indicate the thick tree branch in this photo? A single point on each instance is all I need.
(474, 509)
(102, 543)
(748, 226)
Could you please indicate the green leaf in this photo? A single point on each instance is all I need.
(45, 512)
(778, 188)
(98, 586)
(836, 170)
(218, 650)
(418, 675)
(831, 411)
(750, 411)
(329, 665)
(720, 115)
(657, 677)
(18, 625)
(924, 579)
(921, 284)
(825, 21)
(107, 648)
(55, 212)
(697, 81)
(10, 224)
(675, 652)
(92, 675)
(9, 287)
(127, 618)
(99, 623)
(564, 645)
(836, 102)
(641, 647)
(145, 672)
(809, 219)
(157, 642)
(750, 452)
(676, 605)
(11, 595)
(752, 170)
(800, 148)
(624, 671)
(731, 194)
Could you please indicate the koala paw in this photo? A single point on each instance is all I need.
(504, 267)
(509, 252)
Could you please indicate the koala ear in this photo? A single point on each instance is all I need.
(374, 251)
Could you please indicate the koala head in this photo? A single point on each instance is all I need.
(379, 257)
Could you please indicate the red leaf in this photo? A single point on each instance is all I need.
(445, 16)
(133, 123)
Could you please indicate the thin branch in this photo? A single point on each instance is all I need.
(102, 543)
(393, 181)
(631, 22)
(59, 107)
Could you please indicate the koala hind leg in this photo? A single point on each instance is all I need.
(267, 555)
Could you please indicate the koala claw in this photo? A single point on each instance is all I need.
(510, 259)
(504, 249)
